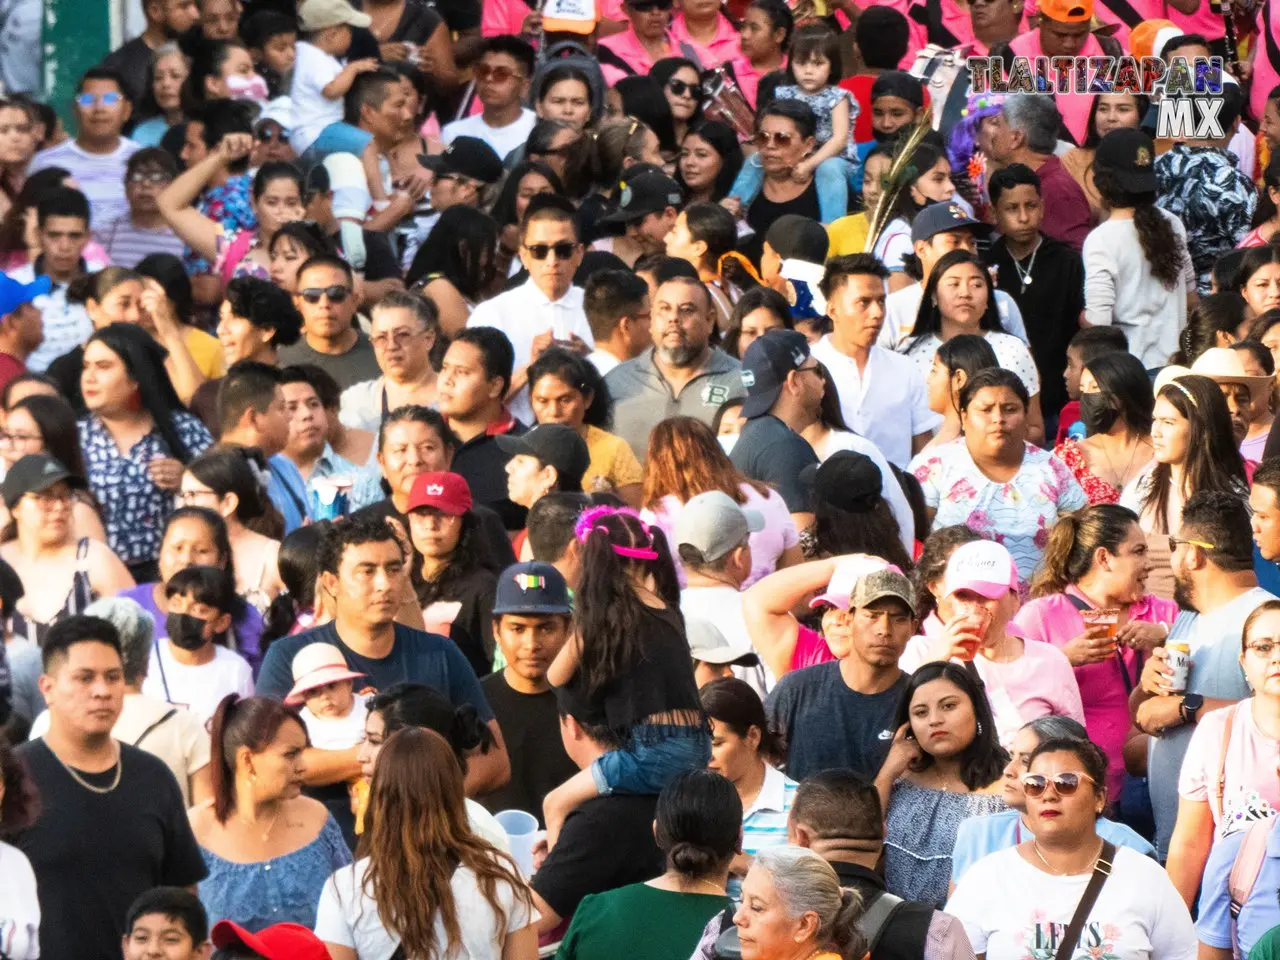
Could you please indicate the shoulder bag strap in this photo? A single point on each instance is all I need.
(875, 919)
(1124, 10)
(1220, 785)
(1248, 864)
(1101, 870)
(153, 727)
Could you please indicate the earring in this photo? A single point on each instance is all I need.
(979, 727)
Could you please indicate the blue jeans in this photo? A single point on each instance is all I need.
(658, 754)
(831, 178)
(336, 138)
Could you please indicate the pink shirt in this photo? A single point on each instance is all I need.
(811, 650)
(503, 16)
(1265, 76)
(724, 46)
(1205, 21)
(748, 78)
(1038, 684)
(1148, 9)
(1055, 620)
(1073, 106)
(628, 48)
(1252, 790)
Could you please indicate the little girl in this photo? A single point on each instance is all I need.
(333, 714)
(814, 66)
(630, 663)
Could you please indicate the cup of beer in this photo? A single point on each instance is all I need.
(1106, 618)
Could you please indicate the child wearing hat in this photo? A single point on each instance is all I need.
(322, 78)
(324, 686)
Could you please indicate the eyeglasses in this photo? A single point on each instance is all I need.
(767, 138)
(646, 6)
(19, 438)
(499, 74)
(1263, 649)
(155, 176)
(563, 250)
(87, 100)
(1064, 784)
(1174, 541)
(187, 497)
(682, 89)
(400, 338)
(336, 294)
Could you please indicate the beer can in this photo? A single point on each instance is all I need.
(330, 498)
(1180, 663)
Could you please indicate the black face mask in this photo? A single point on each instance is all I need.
(185, 631)
(1097, 413)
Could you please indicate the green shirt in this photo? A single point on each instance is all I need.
(654, 924)
(1267, 947)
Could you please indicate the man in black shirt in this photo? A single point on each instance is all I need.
(166, 21)
(531, 621)
(112, 822)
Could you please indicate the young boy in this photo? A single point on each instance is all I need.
(795, 248)
(532, 619)
(167, 921)
(321, 80)
(273, 40)
(1084, 346)
(502, 75)
(334, 715)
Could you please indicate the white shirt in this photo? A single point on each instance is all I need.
(722, 606)
(890, 489)
(886, 403)
(198, 688)
(19, 908)
(337, 733)
(346, 915)
(1012, 911)
(100, 176)
(603, 361)
(66, 325)
(524, 313)
(902, 306)
(313, 70)
(1011, 353)
(502, 139)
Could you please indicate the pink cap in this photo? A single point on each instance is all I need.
(316, 665)
(845, 579)
(983, 567)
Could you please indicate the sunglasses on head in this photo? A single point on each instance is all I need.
(336, 294)
(682, 89)
(563, 250)
(87, 100)
(1064, 784)
(766, 138)
(499, 74)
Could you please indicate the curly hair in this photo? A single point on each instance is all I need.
(1159, 242)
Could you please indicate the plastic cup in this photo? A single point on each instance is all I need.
(1108, 619)
(330, 498)
(522, 829)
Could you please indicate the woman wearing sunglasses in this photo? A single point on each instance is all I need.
(785, 136)
(979, 837)
(1022, 900)
(681, 83)
(636, 50)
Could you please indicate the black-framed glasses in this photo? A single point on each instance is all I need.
(563, 250)
(336, 294)
(647, 6)
(682, 89)
(1174, 541)
(1064, 784)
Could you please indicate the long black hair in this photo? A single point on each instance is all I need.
(644, 99)
(299, 566)
(462, 252)
(470, 554)
(1214, 313)
(929, 316)
(242, 471)
(722, 139)
(966, 353)
(504, 208)
(1091, 137)
(734, 703)
(405, 705)
(1159, 241)
(757, 298)
(580, 374)
(57, 422)
(983, 760)
(1123, 380)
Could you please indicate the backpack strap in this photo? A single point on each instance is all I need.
(1220, 785)
(876, 918)
(1101, 870)
(154, 726)
(1245, 870)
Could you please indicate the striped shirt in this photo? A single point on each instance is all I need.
(100, 176)
(764, 823)
(127, 245)
(66, 325)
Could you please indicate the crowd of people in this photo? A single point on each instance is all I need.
(662, 478)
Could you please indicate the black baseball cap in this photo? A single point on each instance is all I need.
(941, 218)
(848, 480)
(466, 157)
(649, 192)
(765, 367)
(1129, 156)
(31, 474)
(553, 445)
(533, 587)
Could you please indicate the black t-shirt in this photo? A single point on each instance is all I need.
(495, 536)
(483, 465)
(94, 853)
(605, 844)
(133, 62)
(65, 372)
(763, 212)
(380, 261)
(771, 452)
(530, 725)
(472, 627)
(459, 14)
(1050, 305)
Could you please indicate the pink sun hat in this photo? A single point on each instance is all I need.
(316, 665)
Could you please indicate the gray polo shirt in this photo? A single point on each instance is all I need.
(643, 398)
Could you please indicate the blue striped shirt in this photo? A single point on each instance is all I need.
(764, 823)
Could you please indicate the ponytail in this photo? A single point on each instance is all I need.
(1052, 577)
(1074, 541)
(845, 935)
(252, 722)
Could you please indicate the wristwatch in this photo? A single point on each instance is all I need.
(1190, 706)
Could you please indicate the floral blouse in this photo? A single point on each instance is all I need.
(134, 509)
(229, 205)
(1018, 514)
(1095, 488)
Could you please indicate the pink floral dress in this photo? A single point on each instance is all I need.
(1095, 488)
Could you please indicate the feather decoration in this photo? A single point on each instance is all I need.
(900, 177)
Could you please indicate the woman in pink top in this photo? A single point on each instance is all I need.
(1024, 679)
(634, 51)
(1096, 559)
(704, 34)
(1220, 795)
(1064, 32)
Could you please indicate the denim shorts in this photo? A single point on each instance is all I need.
(658, 754)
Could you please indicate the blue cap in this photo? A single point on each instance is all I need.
(14, 294)
(765, 367)
(533, 587)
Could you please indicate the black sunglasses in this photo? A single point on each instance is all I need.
(682, 89)
(645, 6)
(563, 250)
(336, 294)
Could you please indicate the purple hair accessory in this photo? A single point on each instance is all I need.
(588, 524)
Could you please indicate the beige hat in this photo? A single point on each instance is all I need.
(320, 14)
(1223, 365)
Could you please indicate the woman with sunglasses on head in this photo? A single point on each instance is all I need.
(644, 42)
(710, 158)
(681, 82)
(1036, 893)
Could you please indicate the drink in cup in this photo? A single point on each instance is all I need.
(977, 622)
(330, 498)
(1106, 618)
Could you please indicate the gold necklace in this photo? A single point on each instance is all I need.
(119, 765)
(1035, 845)
(271, 826)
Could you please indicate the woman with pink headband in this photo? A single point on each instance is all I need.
(629, 665)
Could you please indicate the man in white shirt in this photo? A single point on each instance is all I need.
(882, 394)
(96, 158)
(616, 303)
(937, 230)
(502, 82)
(547, 309)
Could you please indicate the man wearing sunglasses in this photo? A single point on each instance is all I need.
(96, 158)
(462, 172)
(326, 299)
(142, 230)
(502, 82)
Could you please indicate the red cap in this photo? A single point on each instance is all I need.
(281, 941)
(447, 492)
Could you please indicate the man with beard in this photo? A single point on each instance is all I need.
(1212, 561)
(166, 20)
(681, 375)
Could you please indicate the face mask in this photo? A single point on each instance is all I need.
(1097, 413)
(185, 631)
(252, 87)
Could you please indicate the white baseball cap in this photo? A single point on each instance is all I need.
(984, 567)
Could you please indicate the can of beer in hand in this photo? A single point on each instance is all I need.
(1180, 664)
(330, 498)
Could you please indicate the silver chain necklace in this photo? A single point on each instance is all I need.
(1025, 275)
(86, 784)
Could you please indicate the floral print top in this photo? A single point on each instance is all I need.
(1095, 488)
(229, 205)
(134, 509)
(1018, 514)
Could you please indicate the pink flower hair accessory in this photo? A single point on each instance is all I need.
(588, 523)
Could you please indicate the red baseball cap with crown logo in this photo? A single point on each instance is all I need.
(446, 492)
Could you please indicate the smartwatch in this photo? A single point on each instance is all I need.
(1190, 706)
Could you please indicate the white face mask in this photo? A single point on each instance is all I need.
(251, 87)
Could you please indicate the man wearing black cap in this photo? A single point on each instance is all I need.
(462, 172)
(784, 388)
(549, 457)
(648, 206)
